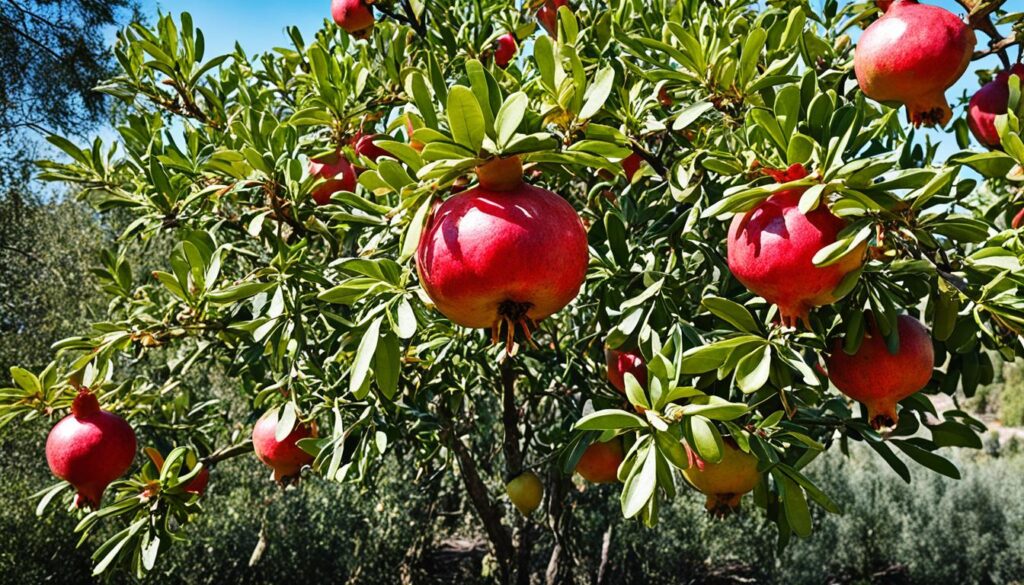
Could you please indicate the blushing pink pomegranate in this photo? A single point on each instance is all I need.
(354, 16)
(771, 247)
(912, 55)
(506, 50)
(502, 253)
(625, 362)
(364, 145)
(991, 101)
(284, 457)
(90, 448)
(338, 173)
(878, 378)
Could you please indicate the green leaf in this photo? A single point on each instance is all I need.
(731, 312)
(690, 114)
(936, 463)
(706, 439)
(798, 515)
(841, 248)
(465, 118)
(387, 365)
(751, 54)
(640, 485)
(753, 370)
(609, 420)
(364, 356)
(598, 92)
(635, 392)
(286, 418)
(509, 117)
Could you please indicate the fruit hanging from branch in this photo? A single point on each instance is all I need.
(507, 45)
(365, 145)
(878, 377)
(622, 362)
(724, 482)
(526, 492)
(338, 175)
(354, 16)
(772, 246)
(991, 101)
(912, 55)
(503, 255)
(285, 457)
(600, 461)
(90, 448)
(547, 16)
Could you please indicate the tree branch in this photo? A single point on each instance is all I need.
(227, 453)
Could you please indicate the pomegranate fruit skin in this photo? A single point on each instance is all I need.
(547, 16)
(878, 378)
(912, 55)
(490, 254)
(354, 16)
(526, 492)
(506, 50)
(89, 449)
(338, 173)
(600, 462)
(198, 483)
(1018, 220)
(725, 482)
(622, 362)
(364, 145)
(284, 457)
(630, 165)
(770, 250)
(990, 101)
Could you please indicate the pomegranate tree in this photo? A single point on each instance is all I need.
(504, 254)
(912, 55)
(879, 377)
(771, 250)
(90, 448)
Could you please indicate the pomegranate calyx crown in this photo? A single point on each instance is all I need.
(84, 404)
(500, 174)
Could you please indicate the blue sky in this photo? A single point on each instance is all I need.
(259, 26)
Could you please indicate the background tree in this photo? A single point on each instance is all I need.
(317, 310)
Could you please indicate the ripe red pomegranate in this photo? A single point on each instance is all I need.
(878, 378)
(503, 252)
(770, 249)
(284, 457)
(664, 98)
(364, 145)
(198, 483)
(991, 101)
(90, 448)
(622, 362)
(912, 55)
(338, 174)
(1017, 220)
(506, 50)
(630, 165)
(547, 16)
(354, 16)
(725, 482)
(600, 462)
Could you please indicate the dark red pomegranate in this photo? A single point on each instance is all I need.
(503, 253)
(506, 50)
(878, 378)
(547, 16)
(338, 174)
(284, 457)
(771, 247)
(622, 362)
(364, 145)
(991, 101)
(912, 55)
(354, 16)
(630, 165)
(90, 448)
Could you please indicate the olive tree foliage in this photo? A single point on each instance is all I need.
(317, 311)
